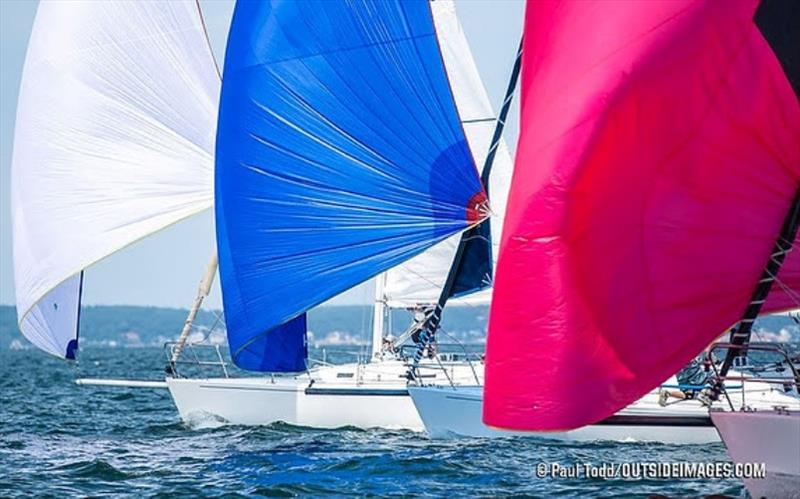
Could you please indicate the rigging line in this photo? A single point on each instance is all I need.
(208, 40)
(790, 243)
(740, 335)
(221, 317)
(791, 294)
(210, 331)
(479, 120)
(785, 287)
(479, 237)
(794, 295)
(432, 324)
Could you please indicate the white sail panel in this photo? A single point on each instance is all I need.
(59, 307)
(114, 140)
(420, 280)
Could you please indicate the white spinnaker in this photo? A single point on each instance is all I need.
(114, 140)
(420, 279)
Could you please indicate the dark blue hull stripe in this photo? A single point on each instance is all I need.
(355, 391)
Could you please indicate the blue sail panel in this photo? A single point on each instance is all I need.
(339, 155)
(282, 349)
(474, 271)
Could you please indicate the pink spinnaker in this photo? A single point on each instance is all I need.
(658, 156)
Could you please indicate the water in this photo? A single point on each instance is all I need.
(59, 439)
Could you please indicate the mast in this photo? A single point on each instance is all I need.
(378, 316)
(202, 291)
(432, 324)
(783, 245)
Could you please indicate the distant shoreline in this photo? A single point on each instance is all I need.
(330, 325)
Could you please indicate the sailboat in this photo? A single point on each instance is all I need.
(770, 437)
(333, 157)
(318, 202)
(654, 204)
(456, 410)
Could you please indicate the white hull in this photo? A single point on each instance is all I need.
(260, 401)
(370, 395)
(770, 437)
(449, 412)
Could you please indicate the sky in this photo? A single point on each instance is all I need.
(165, 268)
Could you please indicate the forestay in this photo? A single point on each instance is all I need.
(114, 140)
(420, 279)
(340, 154)
(657, 160)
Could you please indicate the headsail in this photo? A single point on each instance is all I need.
(114, 140)
(420, 279)
(340, 154)
(657, 159)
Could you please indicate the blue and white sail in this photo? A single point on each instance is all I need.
(114, 140)
(420, 280)
(340, 154)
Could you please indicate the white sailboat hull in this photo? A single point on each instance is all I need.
(370, 395)
(770, 437)
(259, 401)
(449, 412)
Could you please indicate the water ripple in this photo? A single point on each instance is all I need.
(58, 439)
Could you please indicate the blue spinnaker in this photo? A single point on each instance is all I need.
(474, 271)
(339, 154)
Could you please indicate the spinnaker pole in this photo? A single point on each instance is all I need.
(202, 291)
(434, 320)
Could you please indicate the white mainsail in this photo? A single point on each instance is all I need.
(420, 279)
(114, 140)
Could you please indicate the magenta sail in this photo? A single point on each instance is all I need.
(658, 155)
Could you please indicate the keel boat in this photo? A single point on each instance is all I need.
(769, 436)
(371, 394)
(452, 411)
(362, 395)
(655, 202)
